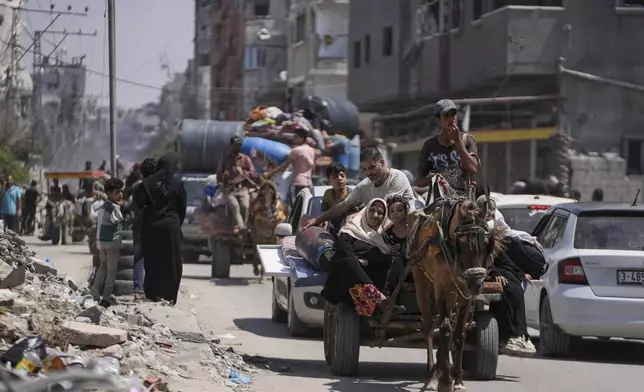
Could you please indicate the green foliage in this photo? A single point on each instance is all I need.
(10, 164)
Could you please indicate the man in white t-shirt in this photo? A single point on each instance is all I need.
(381, 182)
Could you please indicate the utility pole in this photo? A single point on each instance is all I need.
(37, 126)
(111, 24)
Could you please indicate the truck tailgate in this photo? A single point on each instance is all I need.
(273, 260)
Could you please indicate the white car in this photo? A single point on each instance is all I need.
(594, 284)
(296, 288)
(522, 212)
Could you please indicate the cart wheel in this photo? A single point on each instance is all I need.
(346, 343)
(190, 257)
(278, 314)
(327, 333)
(481, 362)
(296, 327)
(221, 258)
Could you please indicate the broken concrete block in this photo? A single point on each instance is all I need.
(43, 268)
(14, 278)
(93, 335)
(7, 297)
(114, 351)
(94, 313)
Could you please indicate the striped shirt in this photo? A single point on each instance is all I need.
(109, 222)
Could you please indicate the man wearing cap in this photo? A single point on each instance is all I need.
(451, 153)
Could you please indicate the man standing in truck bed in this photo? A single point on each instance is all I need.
(451, 153)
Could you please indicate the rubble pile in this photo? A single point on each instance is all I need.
(47, 319)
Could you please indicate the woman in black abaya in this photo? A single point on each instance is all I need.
(162, 201)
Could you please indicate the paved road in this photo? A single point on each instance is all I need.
(240, 306)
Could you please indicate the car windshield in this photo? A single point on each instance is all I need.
(523, 218)
(613, 232)
(315, 206)
(194, 191)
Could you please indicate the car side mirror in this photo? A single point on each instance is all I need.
(283, 230)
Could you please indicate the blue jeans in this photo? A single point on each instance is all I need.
(139, 269)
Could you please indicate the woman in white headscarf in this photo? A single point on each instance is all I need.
(358, 271)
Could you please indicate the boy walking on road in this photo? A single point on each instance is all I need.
(108, 241)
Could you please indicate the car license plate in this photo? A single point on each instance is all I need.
(630, 277)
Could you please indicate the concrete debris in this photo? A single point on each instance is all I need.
(139, 341)
(82, 334)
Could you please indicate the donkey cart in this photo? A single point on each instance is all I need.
(344, 332)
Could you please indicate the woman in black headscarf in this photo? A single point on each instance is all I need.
(162, 201)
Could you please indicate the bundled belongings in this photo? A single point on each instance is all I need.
(317, 246)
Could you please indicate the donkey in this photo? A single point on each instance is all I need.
(451, 249)
(266, 212)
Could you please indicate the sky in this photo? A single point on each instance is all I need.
(145, 30)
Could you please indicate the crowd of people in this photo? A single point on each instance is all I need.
(369, 221)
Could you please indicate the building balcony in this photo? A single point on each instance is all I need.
(509, 42)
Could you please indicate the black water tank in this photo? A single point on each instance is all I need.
(202, 143)
(342, 115)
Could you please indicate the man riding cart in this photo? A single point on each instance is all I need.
(242, 199)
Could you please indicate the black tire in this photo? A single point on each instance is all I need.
(346, 342)
(190, 257)
(126, 262)
(296, 327)
(553, 342)
(78, 236)
(125, 274)
(123, 287)
(327, 333)
(127, 235)
(482, 361)
(55, 235)
(127, 248)
(278, 314)
(221, 259)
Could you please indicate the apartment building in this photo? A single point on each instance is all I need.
(265, 53)
(406, 54)
(200, 70)
(317, 49)
(227, 56)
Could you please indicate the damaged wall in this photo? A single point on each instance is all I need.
(607, 172)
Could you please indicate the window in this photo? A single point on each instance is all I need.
(357, 54)
(300, 28)
(261, 8)
(630, 3)
(478, 9)
(429, 17)
(254, 57)
(367, 49)
(294, 219)
(634, 157)
(616, 230)
(523, 218)
(204, 59)
(387, 41)
(496, 4)
(456, 13)
(554, 231)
